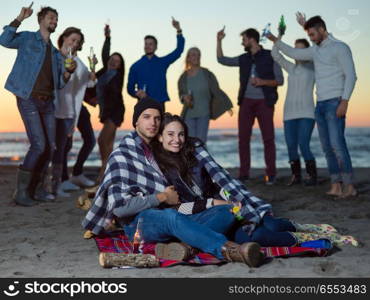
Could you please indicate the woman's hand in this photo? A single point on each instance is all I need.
(72, 67)
(221, 34)
(188, 101)
(92, 76)
(220, 202)
(107, 30)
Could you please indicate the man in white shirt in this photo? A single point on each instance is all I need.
(335, 80)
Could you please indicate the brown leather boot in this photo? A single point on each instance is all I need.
(248, 253)
(174, 251)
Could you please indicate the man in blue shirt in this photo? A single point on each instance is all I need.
(37, 72)
(147, 76)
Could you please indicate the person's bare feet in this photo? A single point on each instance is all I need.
(336, 190)
(348, 191)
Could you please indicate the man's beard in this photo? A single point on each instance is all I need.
(247, 48)
(319, 41)
(51, 29)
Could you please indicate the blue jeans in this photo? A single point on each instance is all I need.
(298, 132)
(204, 230)
(333, 142)
(39, 122)
(271, 232)
(198, 127)
(63, 129)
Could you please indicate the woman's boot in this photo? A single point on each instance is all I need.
(248, 253)
(311, 172)
(295, 166)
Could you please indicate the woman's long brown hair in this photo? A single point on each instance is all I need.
(182, 161)
(67, 32)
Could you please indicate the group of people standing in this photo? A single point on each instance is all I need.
(328, 63)
(50, 85)
(52, 107)
(162, 173)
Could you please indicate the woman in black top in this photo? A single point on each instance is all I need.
(110, 100)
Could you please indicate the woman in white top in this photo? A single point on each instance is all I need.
(299, 117)
(67, 109)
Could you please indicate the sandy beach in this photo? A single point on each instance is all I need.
(47, 240)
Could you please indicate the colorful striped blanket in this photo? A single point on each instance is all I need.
(117, 242)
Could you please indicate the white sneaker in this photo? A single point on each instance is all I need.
(69, 186)
(82, 181)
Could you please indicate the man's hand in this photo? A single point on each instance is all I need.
(258, 82)
(342, 108)
(25, 13)
(169, 196)
(176, 24)
(221, 34)
(301, 18)
(141, 94)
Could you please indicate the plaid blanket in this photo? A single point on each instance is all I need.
(117, 242)
(129, 174)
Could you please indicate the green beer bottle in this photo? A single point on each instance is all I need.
(282, 26)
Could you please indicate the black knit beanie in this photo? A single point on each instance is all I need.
(144, 104)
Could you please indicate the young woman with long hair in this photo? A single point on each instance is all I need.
(174, 152)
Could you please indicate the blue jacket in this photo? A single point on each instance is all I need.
(152, 73)
(30, 57)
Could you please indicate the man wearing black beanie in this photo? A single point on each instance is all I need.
(147, 119)
(144, 104)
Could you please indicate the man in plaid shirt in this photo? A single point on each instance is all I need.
(134, 190)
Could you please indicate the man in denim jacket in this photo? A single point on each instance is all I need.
(37, 73)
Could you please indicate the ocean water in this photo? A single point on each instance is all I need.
(222, 143)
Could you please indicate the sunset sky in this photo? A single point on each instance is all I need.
(130, 21)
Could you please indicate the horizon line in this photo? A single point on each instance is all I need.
(226, 128)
